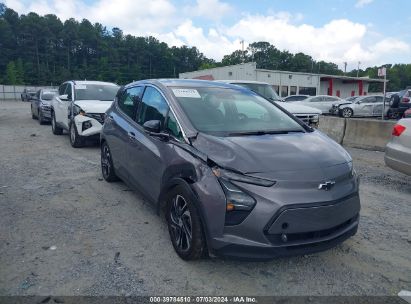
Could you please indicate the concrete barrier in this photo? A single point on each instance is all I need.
(334, 127)
(367, 134)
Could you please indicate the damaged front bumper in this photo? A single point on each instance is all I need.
(295, 231)
(89, 124)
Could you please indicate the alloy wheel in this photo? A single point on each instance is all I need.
(106, 161)
(180, 223)
(347, 112)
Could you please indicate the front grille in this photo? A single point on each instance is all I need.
(309, 119)
(97, 116)
(309, 236)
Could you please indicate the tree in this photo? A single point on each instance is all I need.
(11, 73)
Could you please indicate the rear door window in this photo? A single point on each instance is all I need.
(129, 100)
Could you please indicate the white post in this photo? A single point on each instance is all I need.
(385, 86)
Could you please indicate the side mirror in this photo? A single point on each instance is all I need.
(64, 97)
(153, 126)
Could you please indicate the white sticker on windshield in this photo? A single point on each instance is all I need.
(186, 93)
(81, 87)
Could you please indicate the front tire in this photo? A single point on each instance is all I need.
(107, 168)
(347, 113)
(40, 118)
(76, 140)
(184, 224)
(56, 130)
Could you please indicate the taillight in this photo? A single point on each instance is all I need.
(405, 99)
(398, 129)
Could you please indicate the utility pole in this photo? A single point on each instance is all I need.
(358, 68)
(345, 67)
(383, 72)
(242, 50)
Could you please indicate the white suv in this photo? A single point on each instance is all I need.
(79, 108)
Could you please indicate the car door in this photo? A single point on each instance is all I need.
(148, 154)
(364, 107)
(314, 102)
(119, 126)
(35, 102)
(61, 109)
(378, 106)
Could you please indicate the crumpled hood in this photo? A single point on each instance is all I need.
(94, 106)
(272, 152)
(340, 103)
(298, 109)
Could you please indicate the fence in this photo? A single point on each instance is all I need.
(13, 92)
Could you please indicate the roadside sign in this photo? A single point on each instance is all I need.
(382, 72)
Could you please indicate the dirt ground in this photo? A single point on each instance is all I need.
(65, 231)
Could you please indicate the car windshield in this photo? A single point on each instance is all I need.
(48, 95)
(352, 98)
(231, 112)
(95, 91)
(263, 89)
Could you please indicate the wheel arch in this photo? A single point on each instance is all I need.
(186, 182)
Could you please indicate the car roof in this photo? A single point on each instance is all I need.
(92, 82)
(185, 83)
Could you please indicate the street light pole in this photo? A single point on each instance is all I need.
(358, 68)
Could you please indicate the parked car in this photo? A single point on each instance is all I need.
(41, 105)
(295, 98)
(398, 149)
(399, 103)
(370, 105)
(232, 172)
(336, 105)
(320, 102)
(80, 109)
(308, 115)
(27, 94)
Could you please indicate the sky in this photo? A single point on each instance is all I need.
(373, 32)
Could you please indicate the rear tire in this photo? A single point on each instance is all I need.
(184, 224)
(76, 140)
(32, 114)
(107, 168)
(56, 129)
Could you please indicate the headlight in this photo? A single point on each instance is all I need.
(236, 199)
(238, 203)
(315, 118)
(238, 177)
(78, 111)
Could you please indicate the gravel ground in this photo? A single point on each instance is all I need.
(65, 231)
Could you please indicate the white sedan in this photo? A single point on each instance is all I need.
(320, 102)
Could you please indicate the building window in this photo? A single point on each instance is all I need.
(293, 90)
(230, 73)
(268, 75)
(307, 91)
(276, 89)
(284, 91)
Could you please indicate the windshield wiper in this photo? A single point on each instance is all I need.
(263, 132)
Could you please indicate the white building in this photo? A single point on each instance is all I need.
(288, 83)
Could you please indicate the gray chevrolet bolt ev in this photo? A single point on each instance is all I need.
(234, 174)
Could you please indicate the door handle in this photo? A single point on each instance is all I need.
(132, 135)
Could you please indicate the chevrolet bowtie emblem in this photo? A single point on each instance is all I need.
(326, 186)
